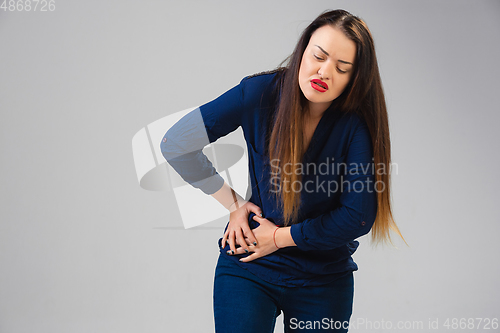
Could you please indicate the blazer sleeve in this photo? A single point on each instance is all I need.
(183, 143)
(358, 202)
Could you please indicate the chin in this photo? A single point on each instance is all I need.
(318, 99)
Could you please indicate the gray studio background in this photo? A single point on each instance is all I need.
(83, 248)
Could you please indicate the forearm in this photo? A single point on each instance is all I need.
(228, 198)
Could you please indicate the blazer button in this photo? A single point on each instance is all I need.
(363, 223)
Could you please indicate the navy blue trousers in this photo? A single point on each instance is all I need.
(244, 303)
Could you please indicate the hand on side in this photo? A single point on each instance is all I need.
(260, 240)
(238, 231)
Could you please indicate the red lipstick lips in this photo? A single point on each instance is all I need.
(319, 85)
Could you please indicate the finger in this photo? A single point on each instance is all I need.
(231, 242)
(224, 238)
(257, 210)
(240, 250)
(251, 257)
(247, 242)
(249, 235)
(241, 241)
(261, 219)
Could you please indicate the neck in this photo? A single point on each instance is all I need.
(315, 112)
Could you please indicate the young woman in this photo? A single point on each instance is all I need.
(319, 155)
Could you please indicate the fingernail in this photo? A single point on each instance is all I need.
(260, 214)
(228, 252)
(255, 243)
(232, 252)
(246, 250)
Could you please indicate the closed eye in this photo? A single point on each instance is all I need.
(338, 69)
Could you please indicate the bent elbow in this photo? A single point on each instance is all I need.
(168, 147)
(369, 217)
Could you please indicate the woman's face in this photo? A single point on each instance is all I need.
(329, 61)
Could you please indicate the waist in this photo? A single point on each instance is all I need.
(293, 267)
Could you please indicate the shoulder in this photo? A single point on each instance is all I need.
(260, 82)
(265, 74)
(260, 88)
(354, 128)
(359, 134)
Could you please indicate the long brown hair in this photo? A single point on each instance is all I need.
(363, 95)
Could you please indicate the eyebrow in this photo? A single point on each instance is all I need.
(342, 61)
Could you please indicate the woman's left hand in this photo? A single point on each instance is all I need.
(265, 240)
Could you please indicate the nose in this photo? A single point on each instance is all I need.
(324, 71)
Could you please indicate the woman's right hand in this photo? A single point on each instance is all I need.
(238, 231)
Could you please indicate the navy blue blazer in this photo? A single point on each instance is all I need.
(339, 202)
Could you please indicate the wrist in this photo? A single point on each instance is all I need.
(283, 237)
(274, 237)
(226, 196)
(236, 205)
